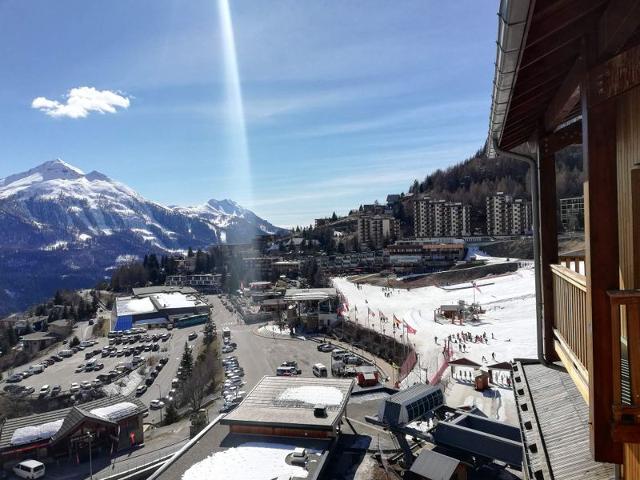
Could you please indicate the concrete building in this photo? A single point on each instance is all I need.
(374, 231)
(439, 218)
(60, 328)
(572, 213)
(408, 256)
(289, 407)
(313, 308)
(156, 306)
(36, 341)
(204, 282)
(508, 216)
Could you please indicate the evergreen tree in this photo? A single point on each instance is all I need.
(334, 217)
(186, 362)
(190, 252)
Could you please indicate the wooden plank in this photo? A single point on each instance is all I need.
(601, 257)
(548, 244)
(614, 77)
(564, 354)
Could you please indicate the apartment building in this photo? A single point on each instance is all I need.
(572, 213)
(376, 230)
(439, 218)
(508, 216)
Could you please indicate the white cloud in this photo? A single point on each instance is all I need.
(81, 101)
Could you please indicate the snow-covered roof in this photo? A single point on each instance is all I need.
(290, 401)
(134, 306)
(115, 412)
(252, 460)
(175, 300)
(34, 433)
(308, 294)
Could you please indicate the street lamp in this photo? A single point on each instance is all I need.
(90, 437)
(159, 398)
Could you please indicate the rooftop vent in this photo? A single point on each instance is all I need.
(320, 410)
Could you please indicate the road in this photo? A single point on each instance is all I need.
(260, 356)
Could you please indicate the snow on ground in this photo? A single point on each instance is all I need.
(249, 461)
(510, 316)
(115, 412)
(312, 394)
(34, 433)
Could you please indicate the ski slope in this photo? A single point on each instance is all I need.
(509, 321)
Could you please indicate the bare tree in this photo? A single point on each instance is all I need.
(201, 380)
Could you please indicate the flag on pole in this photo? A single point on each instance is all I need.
(371, 312)
(355, 307)
(382, 317)
(409, 328)
(396, 322)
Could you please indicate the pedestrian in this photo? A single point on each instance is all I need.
(493, 355)
(436, 339)
(484, 360)
(493, 337)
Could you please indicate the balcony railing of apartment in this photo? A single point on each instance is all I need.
(570, 314)
(625, 332)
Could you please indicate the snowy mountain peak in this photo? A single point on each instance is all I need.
(52, 170)
(226, 206)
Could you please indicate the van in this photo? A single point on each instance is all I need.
(286, 371)
(226, 332)
(338, 354)
(36, 368)
(319, 370)
(29, 469)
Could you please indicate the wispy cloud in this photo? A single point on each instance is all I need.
(81, 101)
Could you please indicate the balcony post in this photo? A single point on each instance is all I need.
(602, 263)
(548, 244)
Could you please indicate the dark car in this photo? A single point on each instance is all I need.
(325, 347)
(148, 381)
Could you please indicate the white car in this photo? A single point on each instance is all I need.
(156, 404)
(74, 387)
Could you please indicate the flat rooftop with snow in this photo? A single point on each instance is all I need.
(292, 406)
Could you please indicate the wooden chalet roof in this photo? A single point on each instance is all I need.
(540, 88)
(464, 362)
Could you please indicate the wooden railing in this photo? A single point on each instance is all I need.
(625, 351)
(570, 313)
(572, 262)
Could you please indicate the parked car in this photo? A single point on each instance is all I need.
(96, 383)
(227, 349)
(29, 469)
(193, 336)
(15, 378)
(140, 390)
(74, 387)
(156, 404)
(227, 407)
(86, 385)
(292, 363)
(55, 390)
(44, 391)
(80, 368)
(325, 347)
(148, 381)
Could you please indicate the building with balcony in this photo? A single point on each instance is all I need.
(375, 230)
(568, 74)
(572, 213)
(439, 218)
(507, 215)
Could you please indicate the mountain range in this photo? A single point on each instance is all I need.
(62, 228)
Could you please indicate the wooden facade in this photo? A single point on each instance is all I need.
(577, 81)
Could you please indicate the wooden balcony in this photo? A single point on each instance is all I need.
(625, 332)
(570, 327)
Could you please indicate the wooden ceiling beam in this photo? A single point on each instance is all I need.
(566, 97)
(618, 23)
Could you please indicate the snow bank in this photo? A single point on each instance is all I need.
(250, 461)
(312, 394)
(34, 433)
(115, 412)
(509, 321)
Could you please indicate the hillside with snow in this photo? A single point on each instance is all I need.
(509, 321)
(60, 227)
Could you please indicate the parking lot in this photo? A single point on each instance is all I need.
(64, 373)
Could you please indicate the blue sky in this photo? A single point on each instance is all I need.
(344, 101)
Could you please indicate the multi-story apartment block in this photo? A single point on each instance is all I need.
(438, 218)
(508, 216)
(375, 230)
(572, 213)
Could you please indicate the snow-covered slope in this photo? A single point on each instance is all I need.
(79, 224)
